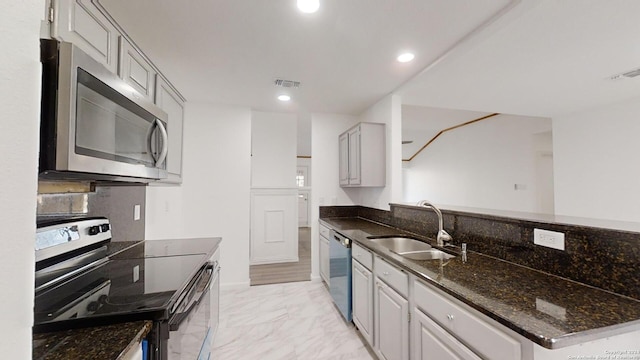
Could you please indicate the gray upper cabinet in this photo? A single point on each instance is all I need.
(135, 70)
(362, 159)
(80, 22)
(169, 101)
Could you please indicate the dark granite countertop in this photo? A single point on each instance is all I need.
(98, 343)
(549, 310)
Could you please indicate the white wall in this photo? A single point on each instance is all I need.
(213, 199)
(596, 162)
(387, 111)
(273, 150)
(20, 99)
(304, 134)
(479, 164)
(324, 174)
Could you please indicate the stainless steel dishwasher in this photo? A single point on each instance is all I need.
(340, 272)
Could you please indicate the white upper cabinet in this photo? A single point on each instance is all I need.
(80, 22)
(135, 70)
(362, 158)
(169, 101)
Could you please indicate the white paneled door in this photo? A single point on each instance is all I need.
(274, 226)
(303, 208)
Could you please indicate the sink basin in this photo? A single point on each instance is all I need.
(433, 254)
(400, 244)
(411, 248)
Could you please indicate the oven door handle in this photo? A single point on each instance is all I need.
(200, 292)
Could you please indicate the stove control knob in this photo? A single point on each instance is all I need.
(93, 306)
(94, 230)
(104, 227)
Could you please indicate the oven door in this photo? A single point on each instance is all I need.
(190, 327)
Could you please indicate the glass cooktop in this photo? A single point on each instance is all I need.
(125, 286)
(157, 248)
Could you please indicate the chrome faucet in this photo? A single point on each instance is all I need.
(443, 236)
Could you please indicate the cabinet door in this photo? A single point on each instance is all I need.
(344, 159)
(431, 342)
(354, 156)
(391, 323)
(169, 101)
(81, 23)
(135, 70)
(324, 259)
(362, 299)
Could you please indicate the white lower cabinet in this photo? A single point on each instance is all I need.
(458, 321)
(324, 259)
(391, 323)
(431, 342)
(362, 300)
(324, 253)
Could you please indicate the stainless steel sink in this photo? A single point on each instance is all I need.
(400, 244)
(433, 254)
(411, 248)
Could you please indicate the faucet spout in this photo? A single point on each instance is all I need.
(442, 236)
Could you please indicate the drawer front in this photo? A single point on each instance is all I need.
(481, 336)
(363, 256)
(324, 231)
(392, 276)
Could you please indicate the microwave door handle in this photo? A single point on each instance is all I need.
(165, 143)
(150, 141)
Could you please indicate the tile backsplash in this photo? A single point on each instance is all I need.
(604, 258)
(113, 202)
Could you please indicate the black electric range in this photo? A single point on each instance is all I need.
(78, 284)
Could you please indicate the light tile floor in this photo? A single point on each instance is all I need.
(284, 321)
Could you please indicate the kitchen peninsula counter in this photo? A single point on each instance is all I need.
(549, 310)
(110, 342)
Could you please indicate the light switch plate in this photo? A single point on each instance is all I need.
(551, 239)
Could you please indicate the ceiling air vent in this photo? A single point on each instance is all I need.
(632, 73)
(628, 74)
(286, 83)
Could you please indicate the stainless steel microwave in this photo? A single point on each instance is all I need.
(93, 124)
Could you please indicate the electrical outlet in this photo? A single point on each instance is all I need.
(136, 212)
(136, 273)
(551, 239)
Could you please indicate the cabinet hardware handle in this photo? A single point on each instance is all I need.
(450, 317)
(385, 273)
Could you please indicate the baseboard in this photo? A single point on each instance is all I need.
(277, 261)
(315, 278)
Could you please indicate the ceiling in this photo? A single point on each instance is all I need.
(544, 58)
(230, 51)
(535, 57)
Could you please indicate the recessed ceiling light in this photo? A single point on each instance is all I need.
(406, 57)
(284, 97)
(308, 6)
